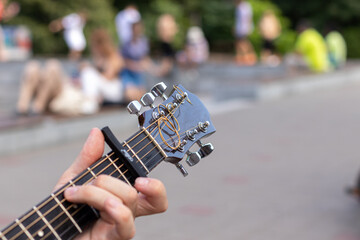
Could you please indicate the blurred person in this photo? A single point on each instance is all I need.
(73, 26)
(336, 48)
(135, 53)
(243, 28)
(311, 46)
(196, 49)
(166, 31)
(124, 21)
(49, 88)
(100, 80)
(7, 11)
(270, 29)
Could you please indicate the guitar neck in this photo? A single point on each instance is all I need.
(177, 123)
(56, 218)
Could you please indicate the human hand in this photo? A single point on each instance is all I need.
(117, 202)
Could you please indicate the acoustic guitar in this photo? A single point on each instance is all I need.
(166, 133)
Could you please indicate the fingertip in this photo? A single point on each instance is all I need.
(141, 182)
(70, 192)
(150, 186)
(94, 133)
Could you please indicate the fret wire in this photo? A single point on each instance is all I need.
(82, 206)
(125, 143)
(24, 229)
(72, 183)
(117, 168)
(92, 173)
(47, 223)
(155, 142)
(150, 149)
(2, 236)
(75, 204)
(67, 213)
(47, 201)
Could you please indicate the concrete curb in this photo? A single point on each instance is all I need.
(307, 83)
(52, 131)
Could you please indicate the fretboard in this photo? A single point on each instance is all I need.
(56, 218)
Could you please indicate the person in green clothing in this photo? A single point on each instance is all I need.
(336, 48)
(312, 47)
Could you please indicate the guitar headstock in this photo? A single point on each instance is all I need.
(176, 123)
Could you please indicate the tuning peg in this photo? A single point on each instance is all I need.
(181, 169)
(206, 149)
(193, 158)
(134, 107)
(147, 100)
(159, 90)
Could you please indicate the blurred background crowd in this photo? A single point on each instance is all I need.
(116, 45)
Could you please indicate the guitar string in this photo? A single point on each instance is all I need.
(29, 226)
(72, 214)
(45, 214)
(136, 153)
(82, 206)
(99, 173)
(86, 172)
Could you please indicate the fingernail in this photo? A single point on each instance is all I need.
(71, 190)
(142, 181)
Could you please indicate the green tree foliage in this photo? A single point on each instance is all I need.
(37, 14)
(343, 14)
(216, 17)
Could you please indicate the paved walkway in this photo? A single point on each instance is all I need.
(278, 172)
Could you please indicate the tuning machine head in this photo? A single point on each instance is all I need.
(134, 107)
(159, 90)
(194, 158)
(147, 100)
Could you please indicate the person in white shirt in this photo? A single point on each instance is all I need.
(243, 28)
(124, 21)
(73, 25)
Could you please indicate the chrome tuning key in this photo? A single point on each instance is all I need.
(181, 168)
(147, 100)
(205, 149)
(195, 157)
(134, 107)
(159, 90)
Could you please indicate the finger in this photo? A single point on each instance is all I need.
(112, 209)
(88, 194)
(152, 197)
(122, 218)
(91, 152)
(118, 188)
